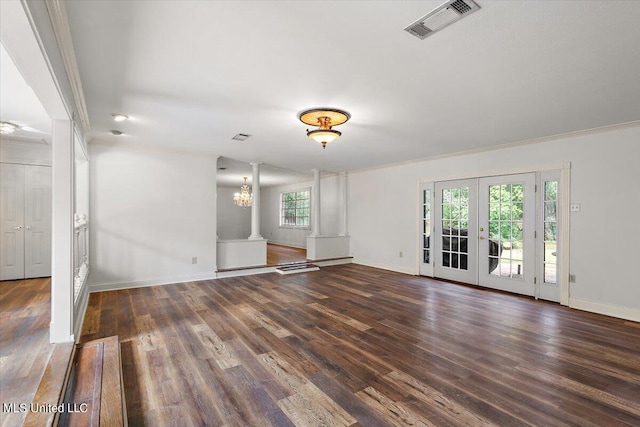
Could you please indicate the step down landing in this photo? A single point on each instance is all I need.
(297, 268)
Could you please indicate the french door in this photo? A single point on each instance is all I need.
(456, 230)
(481, 231)
(506, 233)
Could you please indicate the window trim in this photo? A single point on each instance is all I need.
(281, 207)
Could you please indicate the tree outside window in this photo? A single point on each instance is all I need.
(294, 208)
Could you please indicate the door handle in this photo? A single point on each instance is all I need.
(481, 237)
(19, 227)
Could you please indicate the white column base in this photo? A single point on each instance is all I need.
(327, 247)
(241, 253)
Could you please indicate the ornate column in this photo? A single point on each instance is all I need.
(255, 206)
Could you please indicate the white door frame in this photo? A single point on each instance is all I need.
(564, 249)
(426, 236)
(544, 290)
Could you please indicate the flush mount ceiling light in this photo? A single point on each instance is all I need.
(7, 127)
(325, 119)
(119, 117)
(244, 198)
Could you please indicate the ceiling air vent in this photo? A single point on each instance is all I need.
(443, 15)
(241, 136)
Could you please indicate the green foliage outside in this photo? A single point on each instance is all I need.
(506, 211)
(455, 208)
(295, 208)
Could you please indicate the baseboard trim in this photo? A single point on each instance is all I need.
(330, 262)
(78, 317)
(245, 272)
(626, 313)
(58, 339)
(384, 266)
(103, 287)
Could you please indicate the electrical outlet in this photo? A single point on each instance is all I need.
(575, 207)
(572, 278)
(194, 260)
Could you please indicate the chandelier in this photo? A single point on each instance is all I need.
(243, 198)
(325, 119)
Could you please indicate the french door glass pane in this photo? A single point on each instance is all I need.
(455, 220)
(506, 230)
(550, 231)
(426, 228)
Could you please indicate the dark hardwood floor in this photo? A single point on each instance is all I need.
(352, 345)
(279, 254)
(25, 313)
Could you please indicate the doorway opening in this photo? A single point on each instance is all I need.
(282, 255)
(499, 232)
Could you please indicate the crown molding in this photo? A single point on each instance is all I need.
(591, 131)
(58, 15)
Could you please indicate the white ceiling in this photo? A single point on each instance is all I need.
(192, 74)
(230, 173)
(19, 105)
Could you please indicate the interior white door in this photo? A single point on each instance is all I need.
(37, 220)
(12, 221)
(506, 237)
(455, 246)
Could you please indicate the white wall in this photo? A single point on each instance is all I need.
(330, 211)
(25, 153)
(604, 235)
(151, 212)
(234, 222)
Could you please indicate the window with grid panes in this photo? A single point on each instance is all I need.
(294, 208)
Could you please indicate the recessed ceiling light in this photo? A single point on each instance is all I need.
(7, 127)
(119, 117)
(115, 132)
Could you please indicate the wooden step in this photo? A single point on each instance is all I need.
(52, 385)
(299, 267)
(95, 393)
